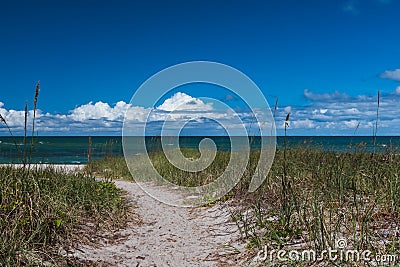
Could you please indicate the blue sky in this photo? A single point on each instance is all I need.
(325, 60)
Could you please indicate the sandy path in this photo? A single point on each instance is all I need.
(170, 236)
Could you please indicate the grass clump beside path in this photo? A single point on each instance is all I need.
(42, 211)
(329, 196)
(109, 168)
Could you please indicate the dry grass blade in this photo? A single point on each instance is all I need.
(3, 120)
(358, 126)
(375, 131)
(276, 106)
(379, 97)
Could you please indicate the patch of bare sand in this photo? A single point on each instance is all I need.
(169, 236)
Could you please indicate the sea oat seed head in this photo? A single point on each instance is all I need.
(287, 120)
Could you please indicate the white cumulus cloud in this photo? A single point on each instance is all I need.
(182, 101)
(99, 110)
(391, 74)
(103, 118)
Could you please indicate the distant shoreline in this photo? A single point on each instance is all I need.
(76, 150)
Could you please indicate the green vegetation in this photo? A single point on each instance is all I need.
(42, 210)
(326, 196)
(109, 168)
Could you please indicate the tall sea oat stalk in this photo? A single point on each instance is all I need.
(276, 106)
(25, 129)
(286, 186)
(274, 114)
(376, 121)
(34, 117)
(284, 142)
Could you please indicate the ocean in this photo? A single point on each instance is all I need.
(74, 149)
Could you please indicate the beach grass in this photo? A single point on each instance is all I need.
(109, 168)
(329, 196)
(43, 212)
(326, 196)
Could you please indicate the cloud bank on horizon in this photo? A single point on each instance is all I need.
(334, 113)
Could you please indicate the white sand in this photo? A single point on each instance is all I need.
(170, 236)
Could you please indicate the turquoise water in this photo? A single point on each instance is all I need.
(74, 150)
